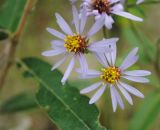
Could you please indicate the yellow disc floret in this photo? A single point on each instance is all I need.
(110, 74)
(75, 43)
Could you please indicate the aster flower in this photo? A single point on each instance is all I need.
(105, 9)
(76, 44)
(113, 77)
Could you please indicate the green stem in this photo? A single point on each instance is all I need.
(104, 32)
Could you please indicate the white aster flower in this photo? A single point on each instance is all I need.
(105, 9)
(113, 77)
(75, 44)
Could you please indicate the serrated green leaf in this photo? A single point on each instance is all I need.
(10, 14)
(65, 106)
(147, 113)
(20, 102)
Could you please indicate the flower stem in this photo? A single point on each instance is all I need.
(104, 32)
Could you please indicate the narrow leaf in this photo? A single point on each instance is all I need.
(10, 14)
(20, 102)
(147, 113)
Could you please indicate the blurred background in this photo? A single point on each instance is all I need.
(36, 39)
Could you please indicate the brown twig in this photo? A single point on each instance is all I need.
(13, 42)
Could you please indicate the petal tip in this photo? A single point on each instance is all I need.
(91, 102)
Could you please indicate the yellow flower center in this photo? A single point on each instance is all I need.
(101, 6)
(110, 74)
(76, 44)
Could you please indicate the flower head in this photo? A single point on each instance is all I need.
(113, 77)
(105, 9)
(76, 44)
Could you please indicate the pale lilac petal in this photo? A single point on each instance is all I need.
(113, 53)
(136, 79)
(98, 16)
(132, 90)
(105, 42)
(57, 44)
(63, 25)
(139, 1)
(118, 7)
(69, 70)
(90, 88)
(127, 15)
(118, 97)
(75, 18)
(108, 21)
(87, 76)
(114, 1)
(102, 59)
(125, 93)
(53, 52)
(89, 72)
(109, 58)
(114, 99)
(123, 2)
(96, 27)
(97, 95)
(83, 64)
(130, 59)
(137, 73)
(56, 33)
(83, 20)
(60, 62)
(99, 49)
(129, 62)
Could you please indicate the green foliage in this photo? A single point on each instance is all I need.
(20, 102)
(147, 113)
(11, 13)
(65, 106)
(137, 39)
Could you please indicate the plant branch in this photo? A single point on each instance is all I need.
(13, 42)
